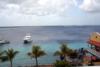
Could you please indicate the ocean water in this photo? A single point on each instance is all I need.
(48, 37)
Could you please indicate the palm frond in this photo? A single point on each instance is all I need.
(36, 52)
(11, 53)
(58, 53)
(64, 50)
(41, 53)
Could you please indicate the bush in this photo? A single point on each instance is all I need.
(62, 64)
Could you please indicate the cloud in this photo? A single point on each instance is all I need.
(2, 5)
(13, 1)
(35, 7)
(47, 7)
(44, 7)
(9, 5)
(90, 5)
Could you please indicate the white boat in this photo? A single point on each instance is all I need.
(27, 39)
(4, 42)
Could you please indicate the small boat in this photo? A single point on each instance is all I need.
(4, 42)
(27, 39)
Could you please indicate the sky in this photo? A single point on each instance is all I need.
(49, 12)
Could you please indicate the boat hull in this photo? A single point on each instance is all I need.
(4, 42)
(26, 41)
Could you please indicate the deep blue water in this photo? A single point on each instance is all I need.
(47, 37)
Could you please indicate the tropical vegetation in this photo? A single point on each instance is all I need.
(11, 53)
(63, 52)
(36, 52)
(59, 63)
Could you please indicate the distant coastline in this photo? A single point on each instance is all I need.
(51, 26)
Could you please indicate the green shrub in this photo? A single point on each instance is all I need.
(62, 64)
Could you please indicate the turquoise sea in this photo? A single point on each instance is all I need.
(48, 37)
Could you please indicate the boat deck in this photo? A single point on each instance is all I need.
(94, 52)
